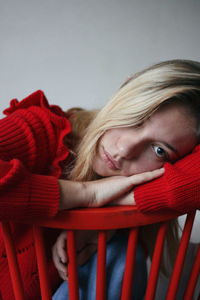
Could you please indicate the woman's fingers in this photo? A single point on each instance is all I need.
(56, 259)
(127, 199)
(146, 176)
(63, 275)
(109, 189)
(61, 247)
(59, 255)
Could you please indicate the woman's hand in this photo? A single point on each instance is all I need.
(59, 255)
(103, 191)
(86, 245)
(117, 188)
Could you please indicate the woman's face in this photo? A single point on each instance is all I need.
(168, 135)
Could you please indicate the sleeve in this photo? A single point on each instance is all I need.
(33, 132)
(177, 190)
(31, 150)
(23, 193)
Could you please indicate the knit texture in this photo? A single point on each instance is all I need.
(177, 190)
(31, 153)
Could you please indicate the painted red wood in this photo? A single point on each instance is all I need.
(156, 262)
(127, 285)
(72, 266)
(42, 264)
(101, 267)
(179, 263)
(193, 277)
(16, 279)
(103, 219)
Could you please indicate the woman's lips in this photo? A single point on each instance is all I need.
(110, 162)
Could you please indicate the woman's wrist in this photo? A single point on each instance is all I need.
(73, 194)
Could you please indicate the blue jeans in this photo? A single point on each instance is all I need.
(115, 261)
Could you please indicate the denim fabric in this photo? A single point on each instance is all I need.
(115, 261)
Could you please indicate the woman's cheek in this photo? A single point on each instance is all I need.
(144, 164)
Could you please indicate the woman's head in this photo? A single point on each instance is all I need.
(166, 136)
(136, 103)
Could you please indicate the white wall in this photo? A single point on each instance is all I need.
(80, 51)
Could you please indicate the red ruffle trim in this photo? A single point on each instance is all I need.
(57, 117)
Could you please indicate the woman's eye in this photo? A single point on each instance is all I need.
(160, 152)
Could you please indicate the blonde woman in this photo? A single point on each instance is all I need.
(42, 170)
(152, 121)
(32, 155)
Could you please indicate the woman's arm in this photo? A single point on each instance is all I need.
(24, 194)
(31, 147)
(33, 132)
(178, 189)
(103, 191)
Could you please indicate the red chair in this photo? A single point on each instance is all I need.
(103, 219)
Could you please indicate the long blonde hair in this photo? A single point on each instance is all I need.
(137, 99)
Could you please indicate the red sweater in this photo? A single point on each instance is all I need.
(31, 145)
(178, 189)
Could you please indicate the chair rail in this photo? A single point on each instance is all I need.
(103, 219)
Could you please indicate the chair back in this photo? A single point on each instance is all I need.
(103, 220)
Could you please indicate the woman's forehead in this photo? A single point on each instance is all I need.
(174, 114)
(174, 126)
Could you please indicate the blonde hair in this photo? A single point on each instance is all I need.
(136, 101)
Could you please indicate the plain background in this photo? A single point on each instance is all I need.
(80, 51)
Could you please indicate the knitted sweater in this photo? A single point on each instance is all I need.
(31, 145)
(178, 189)
(31, 153)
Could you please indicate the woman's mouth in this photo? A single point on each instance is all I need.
(110, 162)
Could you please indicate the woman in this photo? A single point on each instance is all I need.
(33, 156)
(152, 120)
(32, 152)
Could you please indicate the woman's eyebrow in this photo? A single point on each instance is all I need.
(171, 148)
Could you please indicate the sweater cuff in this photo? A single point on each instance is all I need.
(148, 197)
(177, 190)
(37, 196)
(44, 196)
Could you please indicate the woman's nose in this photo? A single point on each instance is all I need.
(129, 148)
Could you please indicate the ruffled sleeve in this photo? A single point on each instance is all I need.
(37, 132)
(31, 152)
